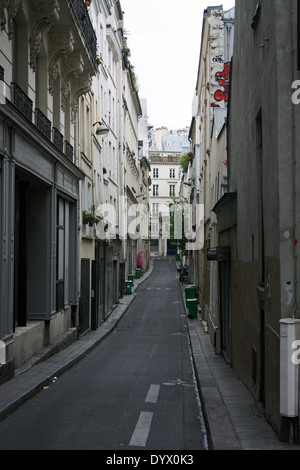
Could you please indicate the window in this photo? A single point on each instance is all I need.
(155, 190)
(60, 254)
(86, 203)
(155, 209)
(154, 229)
(172, 172)
(155, 172)
(224, 189)
(172, 190)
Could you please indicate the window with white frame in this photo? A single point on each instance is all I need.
(155, 209)
(155, 172)
(155, 190)
(154, 228)
(172, 190)
(86, 196)
(62, 253)
(172, 172)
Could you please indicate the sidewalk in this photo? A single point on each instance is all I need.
(233, 421)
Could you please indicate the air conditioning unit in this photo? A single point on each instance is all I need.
(289, 336)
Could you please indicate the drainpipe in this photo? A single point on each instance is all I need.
(295, 59)
(2, 353)
(197, 159)
(76, 307)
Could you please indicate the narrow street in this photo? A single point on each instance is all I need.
(135, 391)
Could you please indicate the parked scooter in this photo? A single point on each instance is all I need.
(183, 274)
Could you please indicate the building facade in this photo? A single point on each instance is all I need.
(260, 215)
(207, 173)
(245, 173)
(100, 248)
(166, 173)
(48, 58)
(65, 78)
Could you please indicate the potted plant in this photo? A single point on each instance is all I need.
(99, 59)
(89, 217)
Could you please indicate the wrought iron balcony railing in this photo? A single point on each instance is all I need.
(58, 139)
(69, 152)
(43, 123)
(24, 105)
(22, 102)
(86, 26)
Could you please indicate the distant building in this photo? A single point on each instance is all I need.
(166, 174)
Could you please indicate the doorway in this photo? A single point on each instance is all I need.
(20, 254)
(225, 310)
(84, 304)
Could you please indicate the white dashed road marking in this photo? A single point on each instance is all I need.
(152, 395)
(141, 432)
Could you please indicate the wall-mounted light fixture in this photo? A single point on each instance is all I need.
(102, 129)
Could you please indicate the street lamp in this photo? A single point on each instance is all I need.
(102, 129)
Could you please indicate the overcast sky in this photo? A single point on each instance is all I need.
(164, 37)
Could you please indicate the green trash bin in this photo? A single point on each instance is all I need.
(177, 257)
(130, 278)
(192, 306)
(128, 286)
(137, 273)
(190, 293)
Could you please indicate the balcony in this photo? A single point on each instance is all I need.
(69, 151)
(43, 123)
(58, 139)
(86, 27)
(21, 101)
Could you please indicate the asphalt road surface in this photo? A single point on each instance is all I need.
(135, 391)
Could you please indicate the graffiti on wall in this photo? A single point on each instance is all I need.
(222, 79)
